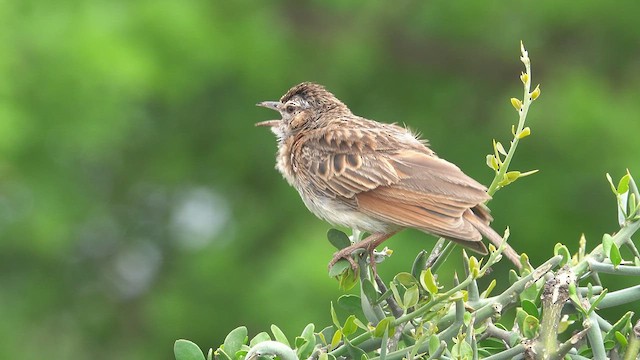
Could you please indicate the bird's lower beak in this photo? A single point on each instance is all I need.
(269, 123)
(273, 105)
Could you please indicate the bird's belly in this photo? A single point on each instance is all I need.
(337, 212)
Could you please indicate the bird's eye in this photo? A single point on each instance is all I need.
(290, 109)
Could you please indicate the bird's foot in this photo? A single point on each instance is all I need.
(346, 254)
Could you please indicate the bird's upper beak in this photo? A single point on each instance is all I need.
(273, 105)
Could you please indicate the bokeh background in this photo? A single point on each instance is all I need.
(139, 204)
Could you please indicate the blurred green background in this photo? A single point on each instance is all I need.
(139, 204)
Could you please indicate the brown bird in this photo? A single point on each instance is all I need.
(374, 177)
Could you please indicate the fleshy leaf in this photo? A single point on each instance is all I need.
(305, 350)
(260, 337)
(279, 335)
(187, 350)
(234, 341)
(338, 239)
(614, 255)
(411, 296)
(428, 281)
(530, 328)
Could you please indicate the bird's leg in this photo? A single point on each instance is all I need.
(369, 244)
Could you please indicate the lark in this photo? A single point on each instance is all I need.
(374, 177)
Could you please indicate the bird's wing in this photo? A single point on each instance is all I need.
(410, 187)
(346, 162)
(432, 195)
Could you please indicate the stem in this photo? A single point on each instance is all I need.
(601, 267)
(565, 347)
(633, 348)
(623, 236)
(507, 354)
(554, 297)
(620, 297)
(595, 337)
(514, 143)
(442, 256)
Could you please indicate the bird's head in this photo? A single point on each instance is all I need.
(301, 108)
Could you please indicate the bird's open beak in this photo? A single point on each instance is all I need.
(273, 105)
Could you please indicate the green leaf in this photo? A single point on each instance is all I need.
(354, 351)
(531, 325)
(462, 350)
(338, 239)
(614, 255)
(326, 333)
(339, 267)
(260, 337)
(434, 344)
(623, 184)
(350, 303)
(299, 341)
(561, 249)
(369, 291)
(350, 326)
(492, 162)
(279, 335)
(530, 307)
(221, 355)
(428, 281)
(620, 325)
(524, 133)
(334, 317)
(348, 280)
(485, 294)
(305, 350)
(621, 339)
(509, 177)
(384, 325)
(613, 187)
(633, 206)
(520, 315)
(411, 296)
(609, 344)
(234, 341)
(530, 293)
(405, 279)
(396, 294)
(474, 267)
(595, 303)
(335, 340)
(564, 324)
(419, 264)
(186, 350)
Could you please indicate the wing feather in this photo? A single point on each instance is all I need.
(410, 187)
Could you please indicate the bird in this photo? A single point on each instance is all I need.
(374, 177)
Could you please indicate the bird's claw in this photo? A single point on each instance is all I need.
(343, 254)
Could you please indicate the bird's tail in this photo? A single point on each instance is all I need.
(479, 217)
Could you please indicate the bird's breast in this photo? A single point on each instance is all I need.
(343, 212)
(285, 160)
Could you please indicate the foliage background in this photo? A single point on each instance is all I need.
(138, 204)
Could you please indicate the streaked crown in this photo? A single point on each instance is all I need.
(314, 94)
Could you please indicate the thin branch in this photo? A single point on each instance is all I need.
(601, 267)
(594, 334)
(620, 297)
